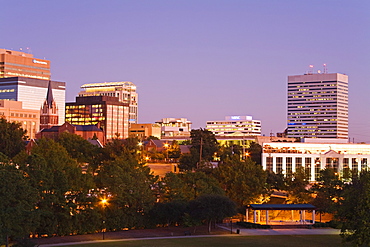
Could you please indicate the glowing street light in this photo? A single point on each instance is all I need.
(104, 202)
(166, 146)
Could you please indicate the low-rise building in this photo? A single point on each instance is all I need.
(175, 127)
(235, 126)
(315, 155)
(88, 132)
(143, 131)
(13, 111)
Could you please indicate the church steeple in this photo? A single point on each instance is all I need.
(49, 110)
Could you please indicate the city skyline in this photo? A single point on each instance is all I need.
(200, 60)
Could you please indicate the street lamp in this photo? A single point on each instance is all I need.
(166, 145)
(104, 203)
(247, 155)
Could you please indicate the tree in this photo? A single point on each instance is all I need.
(62, 187)
(243, 181)
(129, 186)
(354, 210)
(211, 208)
(168, 213)
(296, 185)
(327, 190)
(188, 186)
(227, 152)
(12, 138)
(203, 147)
(18, 198)
(275, 181)
(77, 147)
(255, 152)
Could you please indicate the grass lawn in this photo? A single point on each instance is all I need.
(255, 241)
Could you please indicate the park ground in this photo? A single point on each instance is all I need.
(175, 236)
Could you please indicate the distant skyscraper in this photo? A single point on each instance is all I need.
(16, 63)
(318, 106)
(125, 91)
(32, 92)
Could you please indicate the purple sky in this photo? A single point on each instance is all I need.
(202, 60)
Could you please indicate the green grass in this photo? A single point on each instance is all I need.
(255, 241)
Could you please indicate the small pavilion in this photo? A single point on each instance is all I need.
(302, 208)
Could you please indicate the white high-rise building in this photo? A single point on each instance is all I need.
(125, 91)
(318, 106)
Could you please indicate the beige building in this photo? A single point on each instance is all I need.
(143, 131)
(21, 64)
(175, 127)
(12, 111)
(235, 126)
(125, 91)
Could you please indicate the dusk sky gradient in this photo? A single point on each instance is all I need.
(201, 60)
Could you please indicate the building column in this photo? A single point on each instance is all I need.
(313, 164)
(274, 164)
(254, 216)
(292, 211)
(313, 216)
(267, 217)
(246, 215)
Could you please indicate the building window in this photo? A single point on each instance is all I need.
(279, 165)
(354, 165)
(363, 163)
(332, 163)
(298, 163)
(269, 161)
(288, 165)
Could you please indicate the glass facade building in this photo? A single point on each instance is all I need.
(32, 92)
(125, 91)
(107, 111)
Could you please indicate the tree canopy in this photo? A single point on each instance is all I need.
(12, 138)
(354, 210)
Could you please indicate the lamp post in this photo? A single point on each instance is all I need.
(166, 145)
(104, 202)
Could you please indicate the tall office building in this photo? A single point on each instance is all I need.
(125, 91)
(107, 111)
(33, 92)
(16, 63)
(318, 106)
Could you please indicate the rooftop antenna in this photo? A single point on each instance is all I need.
(325, 68)
(310, 71)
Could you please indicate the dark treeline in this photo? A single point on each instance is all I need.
(68, 186)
